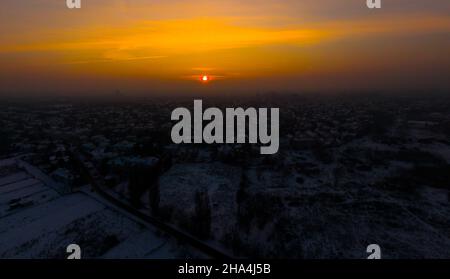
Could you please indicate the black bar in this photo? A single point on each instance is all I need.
(169, 268)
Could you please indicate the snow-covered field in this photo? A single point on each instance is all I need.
(300, 207)
(37, 222)
(220, 181)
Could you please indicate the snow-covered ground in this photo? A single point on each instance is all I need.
(38, 222)
(179, 186)
(300, 207)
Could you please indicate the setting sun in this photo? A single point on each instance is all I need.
(205, 78)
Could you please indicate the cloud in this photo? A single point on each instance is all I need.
(114, 60)
(206, 34)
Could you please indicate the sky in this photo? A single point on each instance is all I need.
(166, 46)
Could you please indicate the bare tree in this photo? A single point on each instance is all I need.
(202, 217)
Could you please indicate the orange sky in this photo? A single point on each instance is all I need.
(167, 46)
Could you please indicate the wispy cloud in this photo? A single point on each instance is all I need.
(206, 34)
(114, 60)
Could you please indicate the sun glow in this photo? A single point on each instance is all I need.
(230, 45)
